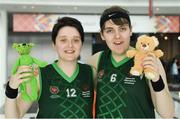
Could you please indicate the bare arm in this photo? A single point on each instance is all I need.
(16, 108)
(162, 100)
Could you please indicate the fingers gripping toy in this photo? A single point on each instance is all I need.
(25, 58)
(145, 45)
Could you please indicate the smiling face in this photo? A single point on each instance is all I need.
(68, 44)
(117, 37)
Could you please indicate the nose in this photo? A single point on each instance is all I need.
(117, 34)
(144, 45)
(70, 43)
(24, 44)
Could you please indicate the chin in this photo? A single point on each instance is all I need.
(119, 51)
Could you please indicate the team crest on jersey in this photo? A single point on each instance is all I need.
(85, 87)
(54, 91)
(85, 91)
(100, 75)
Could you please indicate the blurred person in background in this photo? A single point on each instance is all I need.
(174, 71)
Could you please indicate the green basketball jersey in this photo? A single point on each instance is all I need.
(119, 94)
(66, 98)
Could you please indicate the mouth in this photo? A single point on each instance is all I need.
(145, 48)
(118, 42)
(69, 51)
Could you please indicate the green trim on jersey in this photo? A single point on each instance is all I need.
(117, 64)
(63, 74)
(119, 94)
(61, 99)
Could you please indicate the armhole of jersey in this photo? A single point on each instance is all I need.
(92, 72)
(40, 83)
(147, 81)
(99, 58)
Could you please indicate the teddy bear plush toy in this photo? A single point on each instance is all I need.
(25, 58)
(144, 46)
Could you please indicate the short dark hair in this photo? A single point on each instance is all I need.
(117, 14)
(67, 21)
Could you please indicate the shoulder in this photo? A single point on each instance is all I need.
(88, 68)
(47, 67)
(93, 60)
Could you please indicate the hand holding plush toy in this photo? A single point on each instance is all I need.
(145, 45)
(25, 58)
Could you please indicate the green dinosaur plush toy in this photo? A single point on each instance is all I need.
(25, 58)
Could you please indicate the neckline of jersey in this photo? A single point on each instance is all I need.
(117, 64)
(64, 75)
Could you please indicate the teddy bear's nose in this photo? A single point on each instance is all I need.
(144, 45)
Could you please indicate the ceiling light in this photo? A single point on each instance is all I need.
(178, 37)
(165, 37)
(157, 9)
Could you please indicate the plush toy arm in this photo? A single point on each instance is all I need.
(40, 63)
(131, 53)
(15, 66)
(158, 53)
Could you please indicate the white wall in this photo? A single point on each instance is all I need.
(3, 53)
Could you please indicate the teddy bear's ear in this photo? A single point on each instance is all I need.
(155, 40)
(141, 37)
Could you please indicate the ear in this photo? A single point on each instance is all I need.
(142, 36)
(14, 45)
(53, 45)
(102, 37)
(155, 40)
(31, 44)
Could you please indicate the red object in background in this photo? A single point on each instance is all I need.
(150, 8)
(33, 22)
(168, 24)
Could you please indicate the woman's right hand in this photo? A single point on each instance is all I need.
(24, 73)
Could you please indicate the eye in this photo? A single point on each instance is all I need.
(122, 28)
(109, 30)
(77, 40)
(62, 40)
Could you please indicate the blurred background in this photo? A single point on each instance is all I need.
(32, 21)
